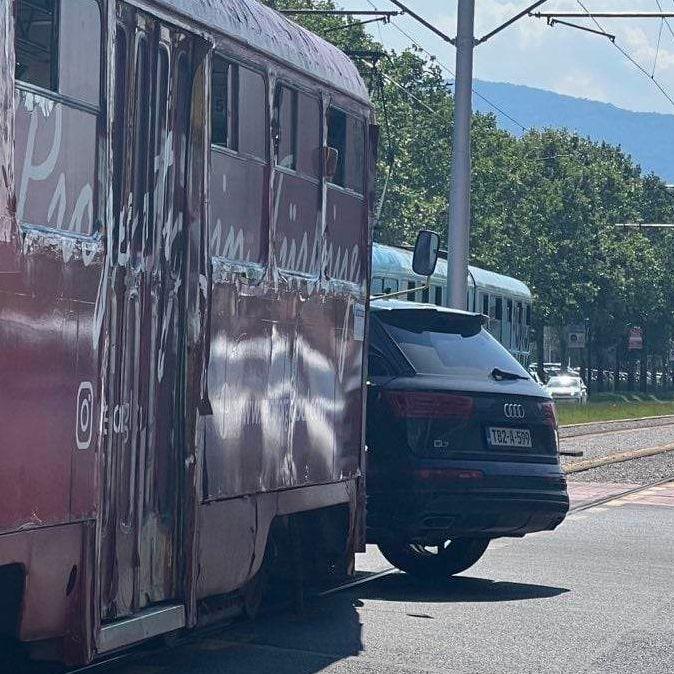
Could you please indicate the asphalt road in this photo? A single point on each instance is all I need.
(594, 596)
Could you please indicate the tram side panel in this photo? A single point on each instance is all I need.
(285, 372)
(284, 378)
(49, 392)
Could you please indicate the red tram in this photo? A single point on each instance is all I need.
(184, 252)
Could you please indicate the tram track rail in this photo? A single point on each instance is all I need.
(587, 430)
(586, 505)
(615, 431)
(615, 457)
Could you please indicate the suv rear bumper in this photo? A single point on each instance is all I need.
(494, 506)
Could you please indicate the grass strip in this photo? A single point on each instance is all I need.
(612, 411)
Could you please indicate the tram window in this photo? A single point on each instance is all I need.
(36, 43)
(142, 123)
(426, 295)
(509, 311)
(238, 109)
(485, 305)
(309, 135)
(528, 319)
(438, 295)
(160, 140)
(390, 285)
(346, 134)
(79, 50)
(224, 104)
(51, 39)
(520, 313)
(337, 140)
(355, 154)
(286, 127)
(498, 309)
(252, 117)
(411, 285)
(119, 128)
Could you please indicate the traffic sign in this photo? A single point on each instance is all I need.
(577, 337)
(636, 339)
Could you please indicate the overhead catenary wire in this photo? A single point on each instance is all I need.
(447, 69)
(657, 49)
(628, 56)
(434, 58)
(399, 86)
(390, 154)
(666, 21)
(355, 24)
(422, 21)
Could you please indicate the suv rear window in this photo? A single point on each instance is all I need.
(447, 344)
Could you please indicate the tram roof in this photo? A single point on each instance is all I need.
(268, 31)
(393, 261)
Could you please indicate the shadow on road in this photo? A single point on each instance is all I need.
(327, 631)
(283, 643)
(400, 587)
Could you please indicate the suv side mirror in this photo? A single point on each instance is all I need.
(425, 253)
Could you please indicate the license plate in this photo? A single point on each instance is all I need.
(510, 437)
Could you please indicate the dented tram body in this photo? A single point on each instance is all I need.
(183, 295)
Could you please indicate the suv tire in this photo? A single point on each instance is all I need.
(453, 557)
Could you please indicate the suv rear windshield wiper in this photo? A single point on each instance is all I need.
(501, 375)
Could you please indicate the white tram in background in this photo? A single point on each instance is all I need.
(505, 300)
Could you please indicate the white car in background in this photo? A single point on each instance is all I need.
(567, 387)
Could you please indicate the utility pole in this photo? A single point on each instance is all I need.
(458, 216)
(458, 222)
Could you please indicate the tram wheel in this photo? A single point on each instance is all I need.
(436, 561)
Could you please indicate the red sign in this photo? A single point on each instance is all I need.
(636, 339)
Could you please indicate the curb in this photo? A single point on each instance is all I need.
(618, 421)
(587, 464)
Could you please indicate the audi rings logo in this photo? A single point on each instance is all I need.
(513, 411)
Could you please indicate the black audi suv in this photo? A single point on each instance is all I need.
(462, 443)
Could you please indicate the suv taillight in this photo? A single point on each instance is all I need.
(424, 405)
(549, 412)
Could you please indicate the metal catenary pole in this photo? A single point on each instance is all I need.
(458, 223)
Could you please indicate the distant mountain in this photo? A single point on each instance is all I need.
(648, 137)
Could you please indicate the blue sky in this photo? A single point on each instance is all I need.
(559, 59)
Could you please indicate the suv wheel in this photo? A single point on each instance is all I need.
(438, 561)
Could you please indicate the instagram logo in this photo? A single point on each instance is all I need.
(84, 423)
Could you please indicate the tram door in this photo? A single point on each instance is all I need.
(144, 448)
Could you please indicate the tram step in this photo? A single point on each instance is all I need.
(145, 625)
